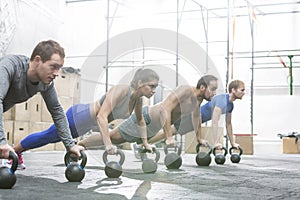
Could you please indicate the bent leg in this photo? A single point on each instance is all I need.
(161, 135)
(116, 137)
(94, 140)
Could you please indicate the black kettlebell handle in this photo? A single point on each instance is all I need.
(154, 150)
(207, 145)
(119, 152)
(83, 158)
(223, 148)
(238, 148)
(178, 149)
(15, 161)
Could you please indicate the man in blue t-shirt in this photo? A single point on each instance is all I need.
(212, 110)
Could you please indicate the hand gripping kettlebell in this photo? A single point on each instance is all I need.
(149, 165)
(114, 169)
(7, 175)
(173, 160)
(203, 158)
(235, 157)
(220, 158)
(74, 171)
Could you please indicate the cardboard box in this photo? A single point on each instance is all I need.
(190, 140)
(21, 112)
(7, 115)
(37, 127)
(35, 108)
(68, 84)
(9, 131)
(59, 146)
(21, 130)
(65, 101)
(246, 142)
(290, 146)
(26, 111)
(45, 114)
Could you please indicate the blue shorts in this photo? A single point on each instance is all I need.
(82, 121)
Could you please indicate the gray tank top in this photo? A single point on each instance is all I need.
(120, 112)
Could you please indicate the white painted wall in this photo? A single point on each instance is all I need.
(81, 28)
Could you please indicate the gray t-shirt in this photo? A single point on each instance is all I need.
(16, 88)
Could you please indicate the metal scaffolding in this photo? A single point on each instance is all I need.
(259, 7)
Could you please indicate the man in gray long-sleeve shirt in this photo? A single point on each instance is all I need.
(21, 78)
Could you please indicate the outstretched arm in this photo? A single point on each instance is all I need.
(196, 118)
(4, 83)
(229, 130)
(215, 125)
(168, 106)
(112, 97)
(138, 110)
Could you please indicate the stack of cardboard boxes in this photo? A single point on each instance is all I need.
(32, 116)
(245, 140)
(290, 145)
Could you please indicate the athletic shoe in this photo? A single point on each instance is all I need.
(21, 165)
(136, 151)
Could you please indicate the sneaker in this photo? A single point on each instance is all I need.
(136, 151)
(21, 165)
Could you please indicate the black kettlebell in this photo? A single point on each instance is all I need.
(220, 158)
(7, 175)
(173, 160)
(203, 158)
(149, 165)
(74, 171)
(235, 157)
(113, 169)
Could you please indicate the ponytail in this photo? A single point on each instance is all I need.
(144, 75)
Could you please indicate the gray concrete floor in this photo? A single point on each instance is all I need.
(263, 176)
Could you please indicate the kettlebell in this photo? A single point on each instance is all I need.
(74, 171)
(149, 165)
(235, 157)
(70, 159)
(203, 158)
(113, 169)
(7, 175)
(173, 160)
(220, 158)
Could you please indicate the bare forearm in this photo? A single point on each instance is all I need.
(230, 134)
(166, 122)
(215, 132)
(196, 119)
(143, 132)
(103, 128)
(167, 129)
